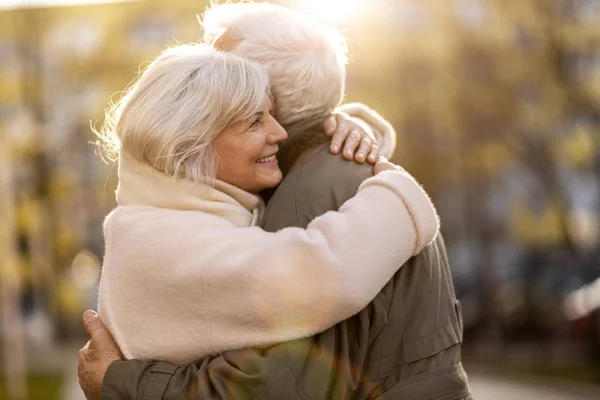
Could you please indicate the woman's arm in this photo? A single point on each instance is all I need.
(227, 288)
(296, 283)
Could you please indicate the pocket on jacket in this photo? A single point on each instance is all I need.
(446, 384)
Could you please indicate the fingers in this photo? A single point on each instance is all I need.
(330, 125)
(383, 165)
(82, 357)
(363, 150)
(339, 136)
(351, 144)
(96, 329)
(353, 137)
(373, 154)
(92, 323)
(101, 337)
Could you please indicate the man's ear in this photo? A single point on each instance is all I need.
(227, 41)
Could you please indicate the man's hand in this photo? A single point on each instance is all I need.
(95, 357)
(356, 136)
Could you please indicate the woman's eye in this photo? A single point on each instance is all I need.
(255, 124)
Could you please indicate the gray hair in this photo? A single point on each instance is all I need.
(306, 60)
(169, 117)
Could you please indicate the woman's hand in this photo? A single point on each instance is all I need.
(383, 164)
(358, 140)
(96, 356)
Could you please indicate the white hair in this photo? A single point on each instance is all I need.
(169, 117)
(305, 59)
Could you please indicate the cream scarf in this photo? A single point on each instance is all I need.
(141, 184)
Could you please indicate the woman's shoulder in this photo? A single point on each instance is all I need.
(138, 219)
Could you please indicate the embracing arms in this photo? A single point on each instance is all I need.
(237, 372)
(243, 287)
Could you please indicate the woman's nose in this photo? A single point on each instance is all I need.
(278, 134)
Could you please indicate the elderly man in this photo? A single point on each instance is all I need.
(404, 345)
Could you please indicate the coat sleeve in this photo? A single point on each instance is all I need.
(245, 287)
(242, 374)
(296, 283)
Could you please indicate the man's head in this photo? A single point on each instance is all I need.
(305, 60)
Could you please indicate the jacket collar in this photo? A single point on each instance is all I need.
(140, 184)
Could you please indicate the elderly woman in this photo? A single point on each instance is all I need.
(187, 273)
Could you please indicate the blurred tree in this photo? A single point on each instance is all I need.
(488, 97)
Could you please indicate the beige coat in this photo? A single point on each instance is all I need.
(186, 274)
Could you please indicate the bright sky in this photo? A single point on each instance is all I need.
(47, 3)
(333, 10)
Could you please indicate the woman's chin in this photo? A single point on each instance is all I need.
(272, 180)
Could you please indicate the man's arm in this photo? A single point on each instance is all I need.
(242, 374)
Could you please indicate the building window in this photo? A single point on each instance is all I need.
(8, 59)
(413, 15)
(529, 93)
(76, 37)
(471, 13)
(586, 64)
(524, 38)
(587, 9)
(152, 31)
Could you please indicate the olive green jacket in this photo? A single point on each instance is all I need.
(404, 345)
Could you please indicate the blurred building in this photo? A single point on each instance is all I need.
(58, 68)
(497, 108)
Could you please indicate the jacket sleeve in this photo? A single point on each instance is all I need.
(242, 374)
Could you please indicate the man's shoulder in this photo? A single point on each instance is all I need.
(318, 182)
(318, 169)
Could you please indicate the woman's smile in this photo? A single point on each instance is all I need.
(268, 161)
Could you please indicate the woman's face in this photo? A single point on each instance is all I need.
(247, 151)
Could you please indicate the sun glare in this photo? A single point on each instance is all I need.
(337, 11)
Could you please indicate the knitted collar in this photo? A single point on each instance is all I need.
(140, 184)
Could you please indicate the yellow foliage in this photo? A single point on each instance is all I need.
(62, 184)
(69, 297)
(578, 149)
(65, 241)
(29, 218)
(496, 156)
(543, 229)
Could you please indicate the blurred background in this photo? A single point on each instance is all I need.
(497, 108)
